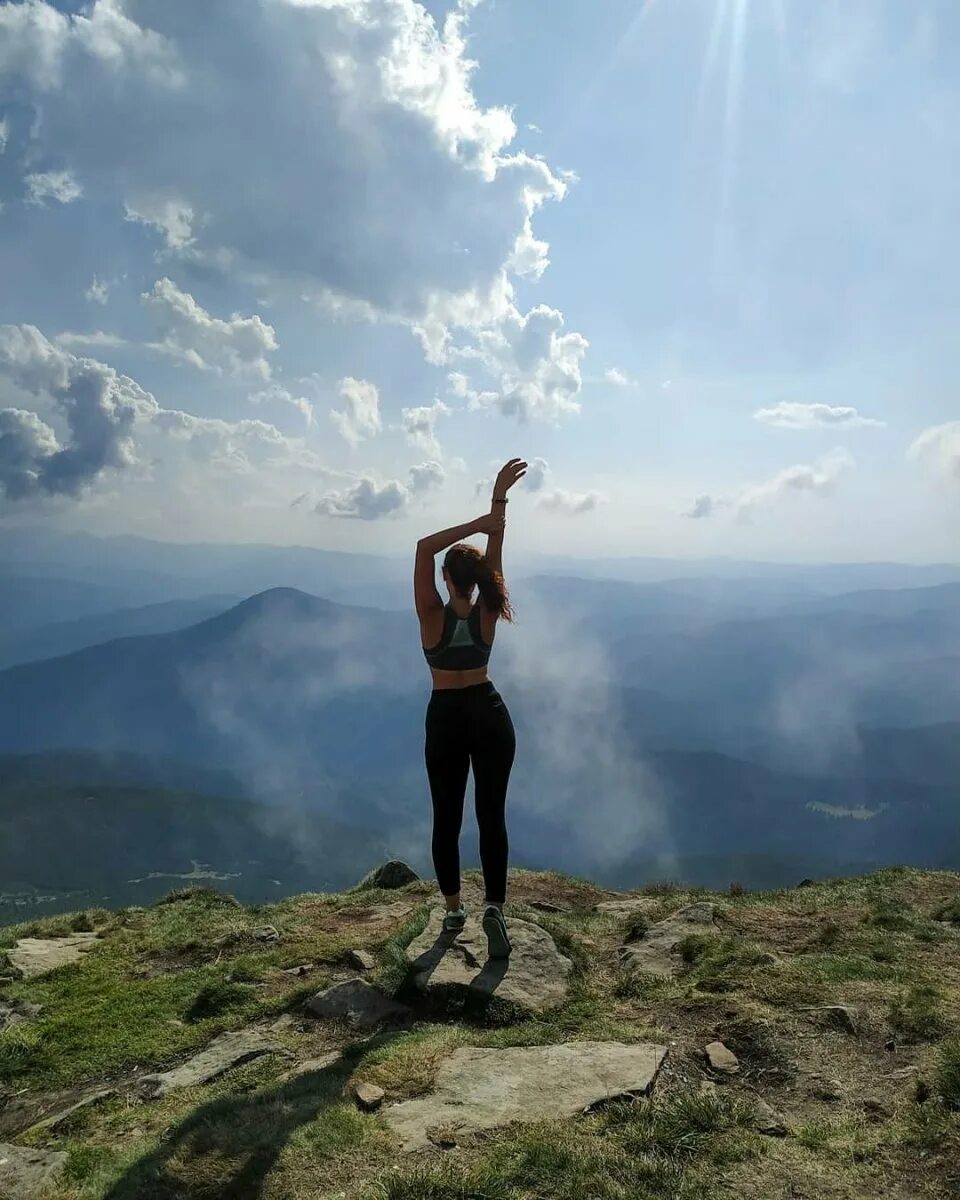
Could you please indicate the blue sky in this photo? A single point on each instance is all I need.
(293, 270)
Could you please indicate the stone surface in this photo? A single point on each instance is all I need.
(55, 1120)
(653, 954)
(487, 1088)
(15, 1012)
(874, 1107)
(548, 906)
(363, 960)
(368, 1095)
(627, 907)
(392, 874)
(822, 1088)
(358, 1002)
(36, 956)
(224, 1052)
(267, 933)
(836, 1016)
(769, 1121)
(535, 975)
(309, 1065)
(27, 1173)
(721, 1059)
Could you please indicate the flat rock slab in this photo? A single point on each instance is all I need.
(487, 1088)
(653, 954)
(15, 1012)
(55, 1120)
(36, 956)
(224, 1053)
(27, 1173)
(366, 918)
(358, 1002)
(629, 906)
(535, 976)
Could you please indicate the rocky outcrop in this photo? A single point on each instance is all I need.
(392, 874)
(15, 1012)
(486, 1088)
(224, 1053)
(535, 976)
(36, 956)
(357, 1002)
(655, 953)
(26, 1173)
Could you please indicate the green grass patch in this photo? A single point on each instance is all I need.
(917, 1014)
(949, 911)
(947, 1078)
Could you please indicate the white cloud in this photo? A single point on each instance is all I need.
(817, 478)
(939, 446)
(790, 415)
(367, 499)
(569, 504)
(238, 345)
(536, 367)
(536, 476)
(419, 425)
(276, 394)
(61, 186)
(96, 337)
(618, 378)
(170, 216)
(360, 417)
(99, 291)
(4, 133)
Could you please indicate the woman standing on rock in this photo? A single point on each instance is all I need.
(467, 721)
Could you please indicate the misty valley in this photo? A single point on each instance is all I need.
(253, 716)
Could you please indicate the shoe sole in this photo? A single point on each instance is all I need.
(498, 944)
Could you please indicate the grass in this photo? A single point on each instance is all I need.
(163, 981)
(948, 911)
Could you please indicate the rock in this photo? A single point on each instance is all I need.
(225, 1052)
(303, 969)
(363, 960)
(547, 906)
(26, 1173)
(837, 1016)
(653, 953)
(15, 1012)
(535, 976)
(392, 874)
(487, 1088)
(910, 1072)
(368, 1095)
(358, 1002)
(768, 1121)
(267, 933)
(874, 1108)
(826, 1089)
(626, 907)
(53, 1122)
(36, 956)
(721, 1059)
(805, 883)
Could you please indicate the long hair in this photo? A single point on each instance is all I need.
(468, 569)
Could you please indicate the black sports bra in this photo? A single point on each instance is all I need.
(461, 647)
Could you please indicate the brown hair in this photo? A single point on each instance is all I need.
(468, 569)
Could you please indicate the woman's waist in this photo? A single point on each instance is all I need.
(473, 682)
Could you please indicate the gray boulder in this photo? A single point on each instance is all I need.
(357, 1002)
(487, 1088)
(224, 1053)
(535, 976)
(15, 1012)
(36, 956)
(26, 1173)
(392, 874)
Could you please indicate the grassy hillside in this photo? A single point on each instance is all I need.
(868, 1112)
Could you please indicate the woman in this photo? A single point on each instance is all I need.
(467, 721)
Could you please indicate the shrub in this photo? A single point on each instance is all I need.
(917, 1014)
(81, 923)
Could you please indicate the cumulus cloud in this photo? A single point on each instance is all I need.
(939, 447)
(536, 476)
(420, 426)
(61, 186)
(95, 337)
(790, 415)
(238, 345)
(569, 504)
(535, 366)
(275, 394)
(98, 407)
(367, 499)
(360, 416)
(169, 216)
(4, 133)
(618, 378)
(816, 478)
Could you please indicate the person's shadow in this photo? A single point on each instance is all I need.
(228, 1147)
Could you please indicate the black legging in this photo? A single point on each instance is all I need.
(464, 726)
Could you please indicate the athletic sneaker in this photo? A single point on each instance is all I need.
(455, 918)
(495, 927)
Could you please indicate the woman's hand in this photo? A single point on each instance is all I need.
(509, 474)
(490, 523)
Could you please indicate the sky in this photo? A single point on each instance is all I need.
(307, 271)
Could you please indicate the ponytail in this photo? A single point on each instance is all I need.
(468, 569)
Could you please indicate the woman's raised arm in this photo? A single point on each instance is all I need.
(425, 593)
(509, 474)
